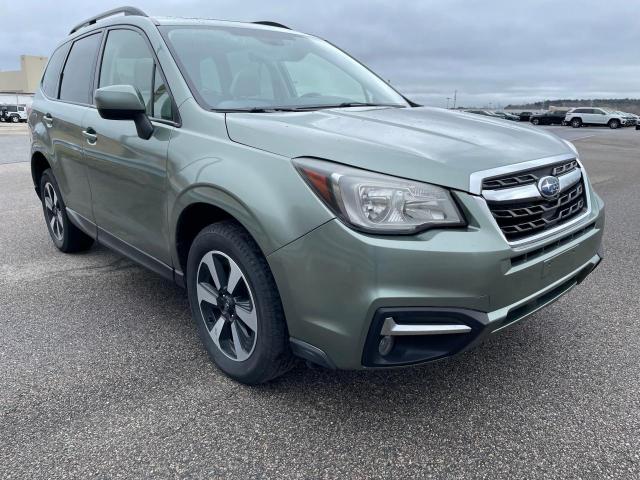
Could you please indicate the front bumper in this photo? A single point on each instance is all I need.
(335, 282)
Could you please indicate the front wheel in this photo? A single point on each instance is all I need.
(236, 306)
(613, 124)
(535, 121)
(576, 123)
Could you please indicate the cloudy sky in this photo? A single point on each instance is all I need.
(494, 52)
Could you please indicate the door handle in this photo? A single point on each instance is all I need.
(91, 136)
(47, 119)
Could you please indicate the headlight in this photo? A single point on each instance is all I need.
(378, 203)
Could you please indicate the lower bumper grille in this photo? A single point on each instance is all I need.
(519, 219)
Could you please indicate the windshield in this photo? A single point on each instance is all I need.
(237, 68)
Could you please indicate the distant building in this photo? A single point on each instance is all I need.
(25, 80)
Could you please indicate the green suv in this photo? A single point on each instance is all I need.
(309, 209)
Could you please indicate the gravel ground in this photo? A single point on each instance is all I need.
(101, 374)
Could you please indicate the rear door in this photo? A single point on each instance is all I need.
(63, 116)
(129, 174)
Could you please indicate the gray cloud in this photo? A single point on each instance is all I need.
(498, 51)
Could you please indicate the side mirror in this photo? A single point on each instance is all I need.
(124, 102)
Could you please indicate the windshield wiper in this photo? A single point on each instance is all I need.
(349, 104)
(304, 108)
(256, 110)
(367, 104)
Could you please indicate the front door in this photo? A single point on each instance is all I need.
(128, 175)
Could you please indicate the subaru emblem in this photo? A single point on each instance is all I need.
(549, 187)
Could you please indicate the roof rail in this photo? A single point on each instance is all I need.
(272, 24)
(126, 10)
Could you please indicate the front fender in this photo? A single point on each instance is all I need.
(219, 198)
(266, 196)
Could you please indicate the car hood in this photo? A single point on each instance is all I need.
(433, 145)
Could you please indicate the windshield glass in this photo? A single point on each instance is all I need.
(237, 68)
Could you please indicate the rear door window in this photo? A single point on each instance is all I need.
(77, 76)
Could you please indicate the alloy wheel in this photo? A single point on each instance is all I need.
(54, 212)
(227, 305)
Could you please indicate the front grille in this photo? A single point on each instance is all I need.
(528, 176)
(519, 219)
(533, 254)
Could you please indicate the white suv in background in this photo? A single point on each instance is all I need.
(14, 113)
(578, 117)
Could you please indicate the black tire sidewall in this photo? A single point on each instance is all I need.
(253, 369)
(47, 177)
(576, 123)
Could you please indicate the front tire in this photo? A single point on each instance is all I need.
(535, 121)
(613, 124)
(236, 305)
(576, 123)
(65, 235)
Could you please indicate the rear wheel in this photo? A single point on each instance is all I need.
(65, 235)
(15, 119)
(535, 121)
(614, 123)
(576, 123)
(236, 306)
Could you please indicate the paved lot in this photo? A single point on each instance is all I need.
(574, 134)
(101, 374)
(14, 142)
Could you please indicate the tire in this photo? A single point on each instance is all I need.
(15, 119)
(614, 123)
(65, 235)
(535, 121)
(576, 123)
(244, 331)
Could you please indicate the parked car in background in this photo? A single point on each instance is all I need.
(486, 113)
(578, 117)
(16, 113)
(630, 118)
(548, 118)
(507, 116)
(525, 116)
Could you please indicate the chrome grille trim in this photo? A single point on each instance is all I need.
(476, 178)
(530, 192)
(475, 187)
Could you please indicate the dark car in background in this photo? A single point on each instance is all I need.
(548, 118)
(525, 116)
(507, 116)
(486, 113)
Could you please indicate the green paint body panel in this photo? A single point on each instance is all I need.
(331, 278)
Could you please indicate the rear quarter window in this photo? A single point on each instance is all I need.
(51, 75)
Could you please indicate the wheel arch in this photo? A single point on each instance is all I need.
(39, 163)
(202, 206)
